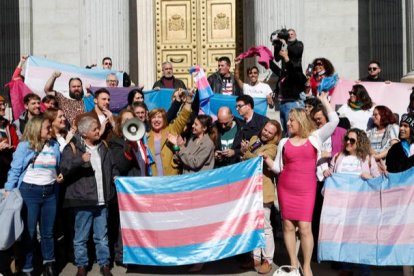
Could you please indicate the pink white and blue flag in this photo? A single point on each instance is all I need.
(39, 70)
(192, 218)
(204, 89)
(368, 222)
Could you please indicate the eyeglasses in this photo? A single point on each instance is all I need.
(239, 106)
(107, 63)
(319, 63)
(350, 140)
(372, 68)
(352, 93)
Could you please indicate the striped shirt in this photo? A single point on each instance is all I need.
(42, 171)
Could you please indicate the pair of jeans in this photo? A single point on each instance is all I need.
(285, 108)
(38, 202)
(85, 217)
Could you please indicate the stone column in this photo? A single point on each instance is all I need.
(409, 30)
(146, 42)
(25, 27)
(263, 17)
(104, 32)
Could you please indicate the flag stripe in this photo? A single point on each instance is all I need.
(395, 255)
(182, 255)
(193, 235)
(348, 216)
(187, 200)
(390, 234)
(191, 218)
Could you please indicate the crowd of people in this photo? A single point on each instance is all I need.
(63, 160)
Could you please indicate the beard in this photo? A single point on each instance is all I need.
(76, 96)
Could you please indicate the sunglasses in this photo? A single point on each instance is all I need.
(239, 106)
(107, 63)
(319, 63)
(352, 93)
(372, 68)
(350, 140)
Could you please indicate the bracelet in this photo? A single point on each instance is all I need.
(176, 148)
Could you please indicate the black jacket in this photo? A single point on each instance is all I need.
(253, 127)
(177, 83)
(216, 81)
(293, 80)
(118, 146)
(79, 176)
(397, 160)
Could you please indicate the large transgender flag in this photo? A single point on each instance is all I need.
(39, 70)
(368, 222)
(192, 218)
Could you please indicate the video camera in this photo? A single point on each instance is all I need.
(275, 38)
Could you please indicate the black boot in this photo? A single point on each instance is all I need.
(50, 269)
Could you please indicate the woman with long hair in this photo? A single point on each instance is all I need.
(198, 154)
(322, 78)
(359, 107)
(59, 126)
(384, 134)
(355, 158)
(34, 171)
(296, 164)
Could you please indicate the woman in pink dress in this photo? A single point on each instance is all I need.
(296, 162)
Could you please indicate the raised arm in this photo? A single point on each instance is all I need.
(326, 131)
(51, 82)
(237, 73)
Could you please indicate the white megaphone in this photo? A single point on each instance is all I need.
(133, 129)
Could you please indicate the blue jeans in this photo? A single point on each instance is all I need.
(285, 108)
(38, 202)
(84, 218)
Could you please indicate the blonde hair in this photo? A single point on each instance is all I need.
(306, 124)
(32, 131)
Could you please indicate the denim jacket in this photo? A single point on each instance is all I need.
(22, 157)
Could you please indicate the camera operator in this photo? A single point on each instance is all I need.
(291, 82)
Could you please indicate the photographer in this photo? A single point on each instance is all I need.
(291, 81)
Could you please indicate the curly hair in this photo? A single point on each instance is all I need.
(329, 68)
(362, 96)
(363, 145)
(306, 124)
(387, 116)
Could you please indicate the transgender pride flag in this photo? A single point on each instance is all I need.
(192, 218)
(204, 89)
(368, 222)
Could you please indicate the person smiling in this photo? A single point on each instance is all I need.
(59, 123)
(359, 107)
(296, 164)
(162, 151)
(400, 156)
(34, 171)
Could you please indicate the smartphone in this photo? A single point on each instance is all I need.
(284, 46)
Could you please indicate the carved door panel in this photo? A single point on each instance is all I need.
(190, 32)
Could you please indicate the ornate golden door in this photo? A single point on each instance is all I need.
(190, 32)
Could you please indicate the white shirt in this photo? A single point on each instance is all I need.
(97, 167)
(43, 169)
(357, 118)
(260, 90)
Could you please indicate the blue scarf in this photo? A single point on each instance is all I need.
(406, 147)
